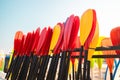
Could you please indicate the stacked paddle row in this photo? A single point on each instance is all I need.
(49, 54)
(32, 52)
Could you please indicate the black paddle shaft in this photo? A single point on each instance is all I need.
(44, 69)
(37, 67)
(79, 72)
(24, 69)
(33, 61)
(85, 62)
(62, 68)
(55, 66)
(50, 71)
(88, 70)
(13, 61)
(67, 65)
(17, 67)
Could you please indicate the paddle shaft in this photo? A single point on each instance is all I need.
(79, 72)
(73, 71)
(111, 78)
(62, 67)
(85, 62)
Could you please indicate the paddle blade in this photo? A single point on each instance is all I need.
(86, 25)
(91, 34)
(17, 41)
(74, 32)
(60, 40)
(110, 61)
(41, 40)
(115, 37)
(55, 37)
(67, 32)
(99, 61)
(46, 44)
(36, 39)
(93, 43)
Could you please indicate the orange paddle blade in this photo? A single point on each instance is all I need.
(94, 42)
(86, 25)
(110, 61)
(91, 34)
(60, 40)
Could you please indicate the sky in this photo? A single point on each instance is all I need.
(27, 15)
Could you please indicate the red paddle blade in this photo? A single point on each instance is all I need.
(60, 40)
(22, 45)
(76, 44)
(31, 41)
(45, 47)
(17, 41)
(110, 61)
(41, 40)
(115, 37)
(74, 32)
(26, 44)
(36, 39)
(67, 32)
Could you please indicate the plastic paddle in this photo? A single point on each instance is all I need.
(33, 53)
(58, 46)
(87, 30)
(64, 66)
(93, 44)
(36, 58)
(73, 37)
(99, 61)
(42, 50)
(107, 42)
(38, 55)
(22, 58)
(72, 40)
(115, 38)
(26, 60)
(45, 51)
(17, 42)
(55, 37)
(75, 45)
(57, 51)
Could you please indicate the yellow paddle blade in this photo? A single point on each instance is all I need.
(86, 25)
(70, 67)
(55, 36)
(99, 61)
(94, 42)
(92, 61)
